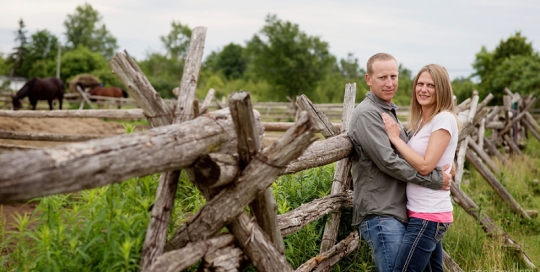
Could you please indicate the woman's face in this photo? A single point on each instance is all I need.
(425, 90)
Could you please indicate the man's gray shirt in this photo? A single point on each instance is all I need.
(379, 173)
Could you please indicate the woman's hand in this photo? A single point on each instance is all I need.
(392, 128)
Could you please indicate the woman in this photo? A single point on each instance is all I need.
(434, 126)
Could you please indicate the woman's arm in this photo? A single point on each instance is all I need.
(438, 141)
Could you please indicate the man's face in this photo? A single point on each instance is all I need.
(384, 80)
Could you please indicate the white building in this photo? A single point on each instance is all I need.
(15, 83)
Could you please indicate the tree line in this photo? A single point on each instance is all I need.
(278, 63)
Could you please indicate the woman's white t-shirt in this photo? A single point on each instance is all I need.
(425, 200)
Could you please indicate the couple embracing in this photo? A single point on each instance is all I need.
(401, 199)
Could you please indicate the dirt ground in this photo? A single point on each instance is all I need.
(76, 126)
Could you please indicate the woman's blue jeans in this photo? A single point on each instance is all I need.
(384, 235)
(421, 247)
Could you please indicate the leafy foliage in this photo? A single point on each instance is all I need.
(177, 41)
(16, 59)
(488, 65)
(84, 28)
(288, 59)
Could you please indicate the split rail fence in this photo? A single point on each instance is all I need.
(221, 153)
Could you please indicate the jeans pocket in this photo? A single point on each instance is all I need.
(442, 228)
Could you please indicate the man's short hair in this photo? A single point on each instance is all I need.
(378, 56)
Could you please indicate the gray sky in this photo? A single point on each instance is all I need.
(449, 33)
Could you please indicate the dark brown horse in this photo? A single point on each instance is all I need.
(114, 92)
(40, 89)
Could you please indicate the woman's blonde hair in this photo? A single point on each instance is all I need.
(443, 95)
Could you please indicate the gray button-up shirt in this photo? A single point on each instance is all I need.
(379, 172)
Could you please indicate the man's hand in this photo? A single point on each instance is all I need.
(447, 178)
(453, 170)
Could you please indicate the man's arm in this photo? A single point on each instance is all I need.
(369, 131)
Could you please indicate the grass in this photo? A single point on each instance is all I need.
(104, 228)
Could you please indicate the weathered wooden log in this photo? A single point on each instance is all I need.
(495, 125)
(481, 133)
(450, 264)
(488, 224)
(468, 128)
(342, 174)
(496, 185)
(531, 128)
(258, 175)
(321, 153)
(283, 126)
(309, 212)
(37, 136)
(131, 114)
(517, 118)
(12, 147)
(74, 167)
(191, 254)
(493, 150)
(532, 121)
(257, 246)
(186, 109)
(480, 152)
(138, 87)
(216, 169)
(514, 148)
(84, 97)
(493, 114)
(227, 259)
(465, 104)
(321, 121)
(327, 259)
(460, 159)
(264, 206)
(207, 100)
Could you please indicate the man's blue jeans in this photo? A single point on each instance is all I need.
(421, 247)
(384, 235)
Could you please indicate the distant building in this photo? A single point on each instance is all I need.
(15, 83)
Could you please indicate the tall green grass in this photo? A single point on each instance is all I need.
(103, 229)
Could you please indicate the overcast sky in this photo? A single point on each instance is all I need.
(449, 33)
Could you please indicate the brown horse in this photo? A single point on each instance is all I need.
(40, 89)
(114, 92)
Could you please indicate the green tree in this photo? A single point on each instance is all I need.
(177, 41)
(288, 59)
(81, 61)
(463, 88)
(486, 63)
(519, 73)
(42, 49)
(403, 94)
(231, 61)
(349, 68)
(84, 28)
(4, 66)
(20, 52)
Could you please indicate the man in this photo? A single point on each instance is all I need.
(379, 173)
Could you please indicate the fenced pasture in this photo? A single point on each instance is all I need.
(221, 152)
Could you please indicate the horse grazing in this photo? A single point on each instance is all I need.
(114, 92)
(40, 89)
